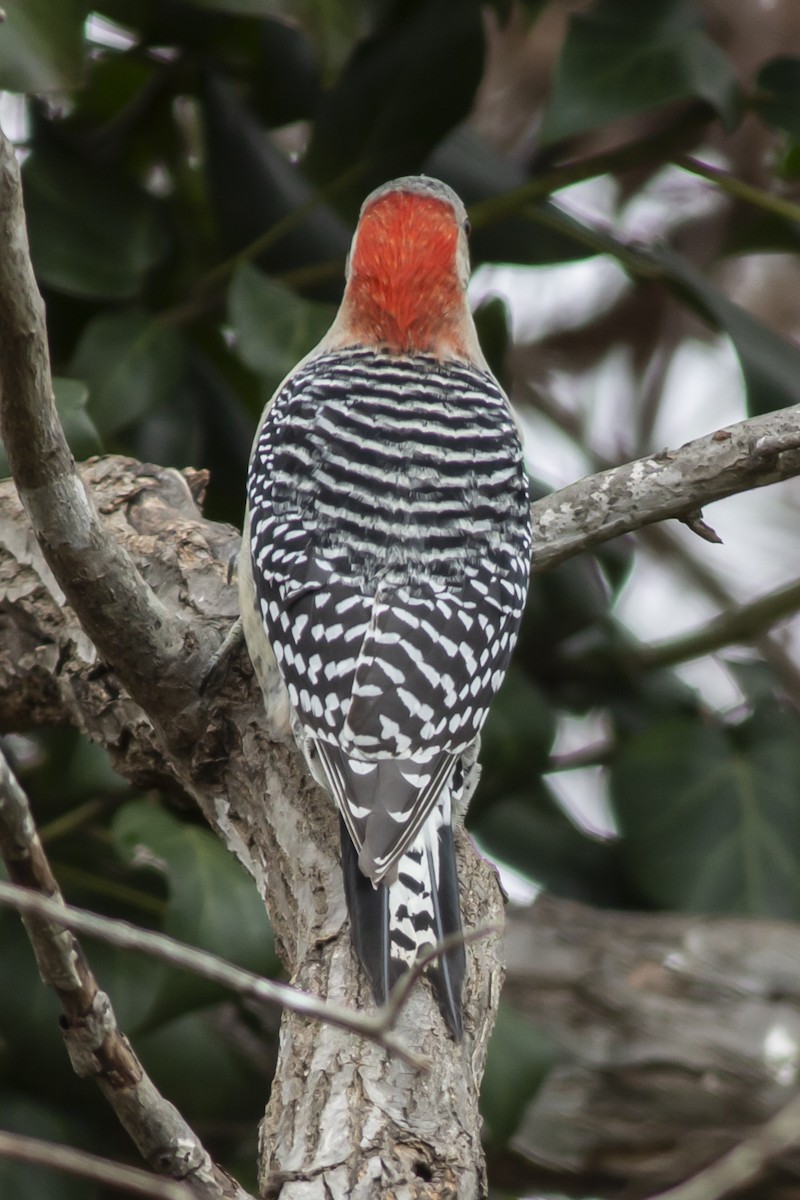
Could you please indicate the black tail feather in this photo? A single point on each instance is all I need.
(369, 919)
(447, 973)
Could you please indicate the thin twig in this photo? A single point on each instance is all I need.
(745, 623)
(209, 966)
(408, 981)
(207, 288)
(96, 1046)
(374, 1026)
(649, 150)
(664, 542)
(103, 1171)
(746, 1162)
(740, 190)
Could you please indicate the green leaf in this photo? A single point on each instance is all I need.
(531, 834)
(518, 734)
(519, 1060)
(79, 429)
(770, 364)
(41, 45)
(213, 902)
(777, 99)
(255, 188)
(184, 1055)
(131, 365)
(620, 59)
(492, 320)
(476, 171)
(709, 814)
(404, 88)
(92, 234)
(274, 327)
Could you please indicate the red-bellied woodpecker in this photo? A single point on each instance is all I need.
(385, 567)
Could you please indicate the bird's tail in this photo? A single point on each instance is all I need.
(392, 924)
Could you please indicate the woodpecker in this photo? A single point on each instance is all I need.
(384, 570)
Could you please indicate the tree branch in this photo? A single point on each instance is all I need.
(739, 189)
(257, 796)
(103, 1171)
(376, 1027)
(663, 542)
(95, 1044)
(746, 1162)
(673, 484)
(744, 623)
(678, 1042)
(151, 646)
(596, 982)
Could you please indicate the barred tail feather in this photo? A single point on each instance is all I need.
(392, 924)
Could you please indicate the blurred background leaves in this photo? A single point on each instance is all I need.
(192, 172)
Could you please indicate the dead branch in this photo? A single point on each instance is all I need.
(95, 1044)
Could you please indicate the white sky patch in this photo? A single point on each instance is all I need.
(104, 32)
(672, 197)
(549, 299)
(14, 117)
(550, 455)
(703, 391)
(782, 1055)
(582, 793)
(519, 889)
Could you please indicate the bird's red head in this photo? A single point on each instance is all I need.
(408, 268)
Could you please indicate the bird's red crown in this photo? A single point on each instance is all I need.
(404, 290)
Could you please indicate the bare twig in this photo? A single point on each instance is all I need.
(96, 1046)
(90, 1166)
(673, 484)
(695, 522)
(746, 623)
(740, 190)
(629, 156)
(34, 892)
(746, 1162)
(209, 966)
(409, 979)
(150, 650)
(664, 542)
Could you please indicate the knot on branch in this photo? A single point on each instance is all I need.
(96, 1047)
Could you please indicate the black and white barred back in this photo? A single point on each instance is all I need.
(390, 540)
